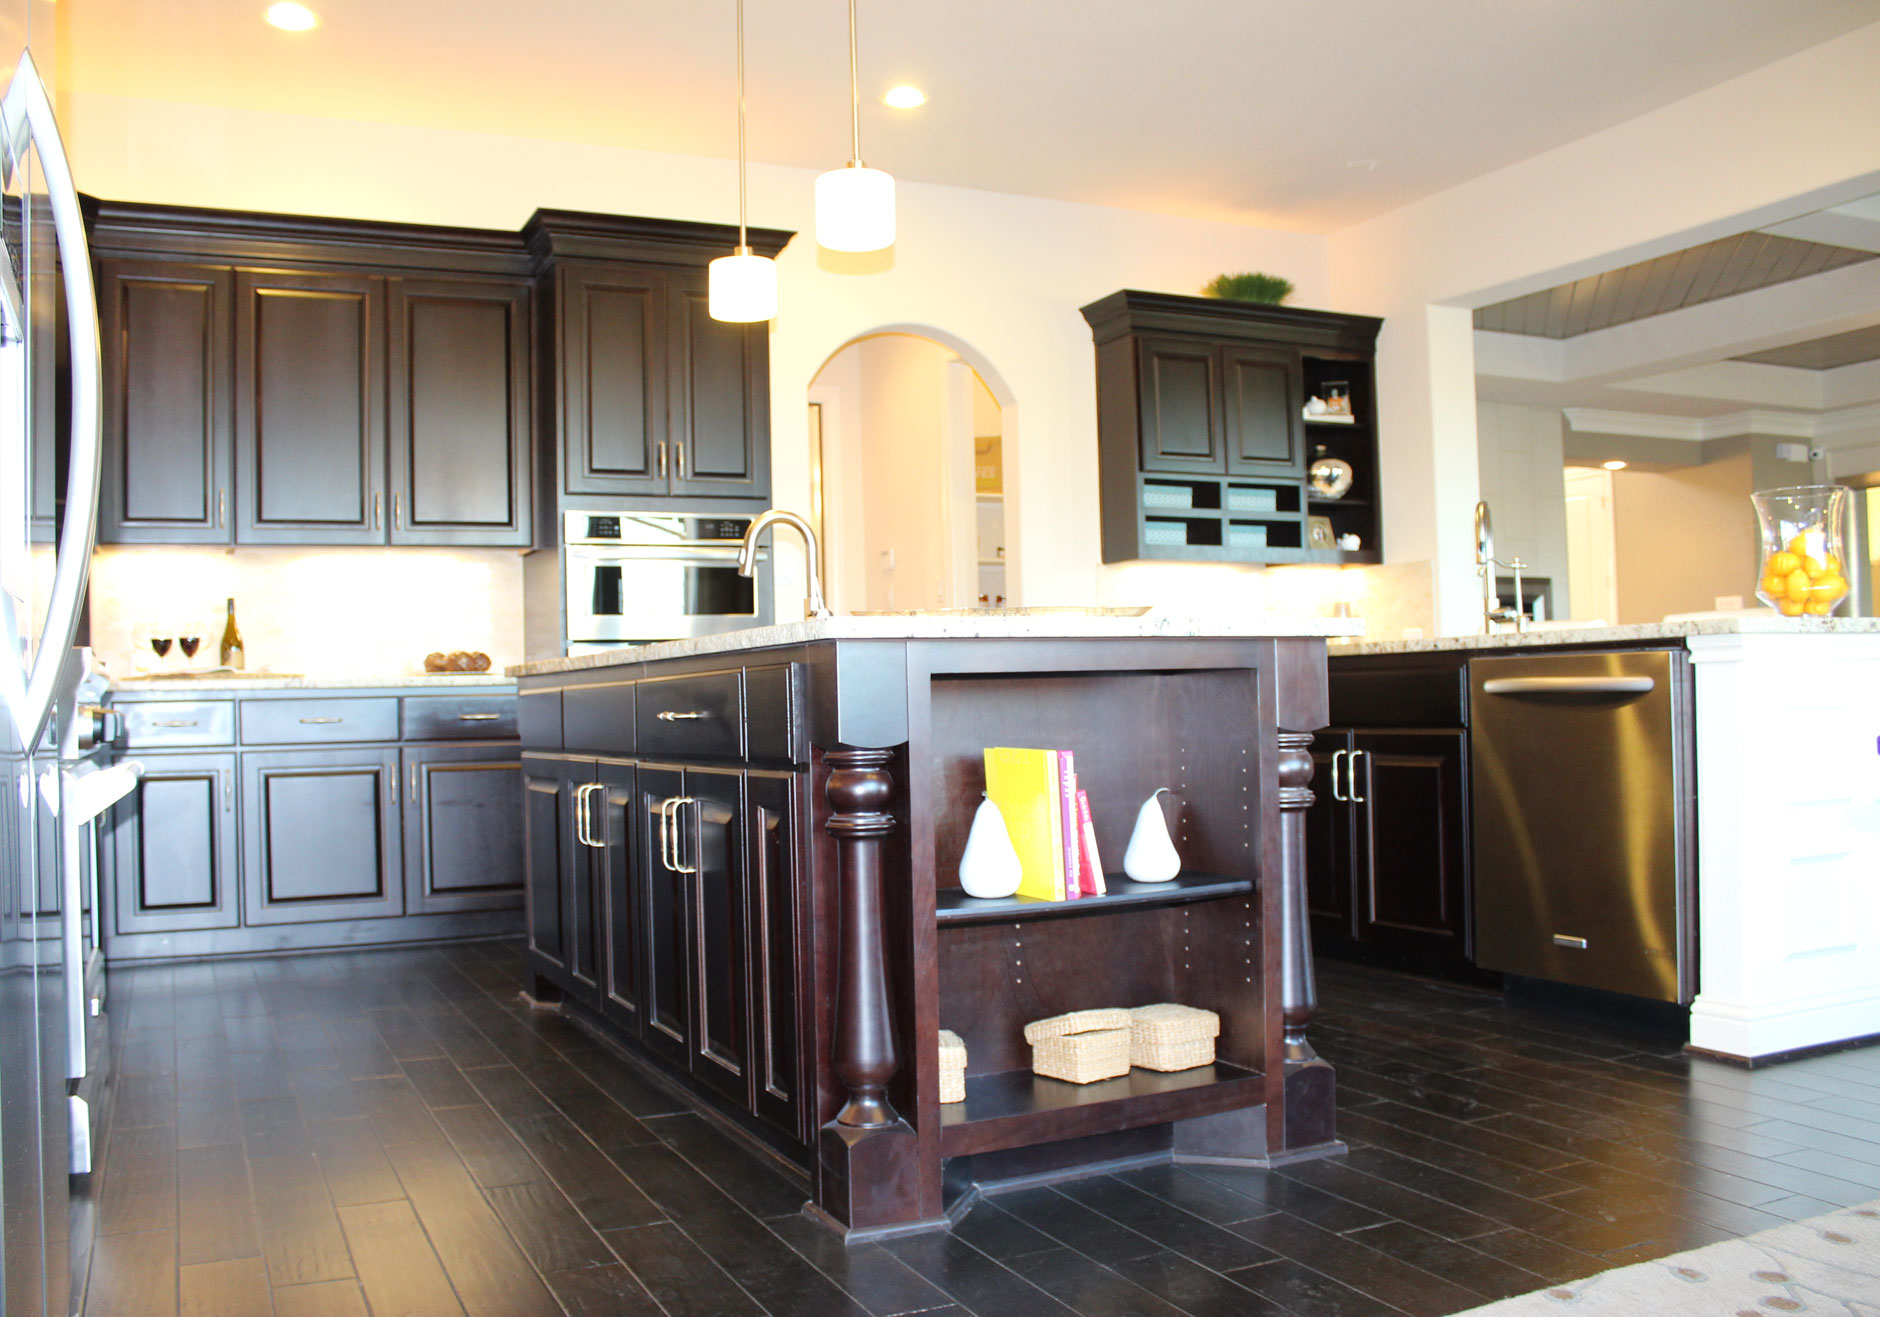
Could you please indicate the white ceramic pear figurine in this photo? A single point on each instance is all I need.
(1151, 856)
(989, 866)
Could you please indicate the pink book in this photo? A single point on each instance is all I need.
(1067, 800)
(1089, 863)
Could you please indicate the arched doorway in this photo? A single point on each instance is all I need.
(907, 477)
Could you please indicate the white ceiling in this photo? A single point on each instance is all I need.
(1306, 116)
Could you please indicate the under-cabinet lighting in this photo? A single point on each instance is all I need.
(904, 97)
(291, 17)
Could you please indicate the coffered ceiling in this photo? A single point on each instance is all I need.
(1296, 114)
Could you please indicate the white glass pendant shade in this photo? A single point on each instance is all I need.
(855, 209)
(742, 287)
(989, 866)
(1151, 856)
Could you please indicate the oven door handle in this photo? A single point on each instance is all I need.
(601, 556)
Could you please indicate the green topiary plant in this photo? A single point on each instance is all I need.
(1269, 288)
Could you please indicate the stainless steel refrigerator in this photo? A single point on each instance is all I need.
(49, 437)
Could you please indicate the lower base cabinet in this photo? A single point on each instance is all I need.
(463, 831)
(174, 857)
(319, 835)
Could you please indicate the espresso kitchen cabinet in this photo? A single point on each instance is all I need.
(168, 360)
(566, 901)
(1202, 438)
(773, 860)
(174, 858)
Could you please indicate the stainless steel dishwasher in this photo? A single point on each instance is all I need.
(1581, 780)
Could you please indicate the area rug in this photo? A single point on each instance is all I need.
(1826, 1265)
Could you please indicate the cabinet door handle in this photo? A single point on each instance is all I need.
(676, 716)
(322, 721)
(221, 507)
(411, 792)
(677, 805)
(391, 787)
(1351, 775)
(580, 818)
(1337, 755)
(478, 717)
(228, 790)
(665, 832)
(378, 506)
(398, 511)
(678, 460)
(174, 722)
(598, 835)
(659, 457)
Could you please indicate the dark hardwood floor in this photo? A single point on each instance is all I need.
(393, 1132)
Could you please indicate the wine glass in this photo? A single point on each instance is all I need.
(189, 640)
(160, 639)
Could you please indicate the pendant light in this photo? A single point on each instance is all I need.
(855, 204)
(742, 286)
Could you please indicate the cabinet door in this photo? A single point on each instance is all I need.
(1179, 392)
(711, 844)
(720, 398)
(463, 830)
(459, 411)
(168, 403)
(1261, 404)
(613, 379)
(612, 820)
(320, 835)
(1412, 874)
(548, 837)
(776, 1051)
(666, 1026)
(1329, 842)
(173, 847)
(309, 408)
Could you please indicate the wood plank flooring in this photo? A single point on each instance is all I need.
(393, 1132)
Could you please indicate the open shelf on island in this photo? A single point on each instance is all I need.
(1014, 1108)
(953, 906)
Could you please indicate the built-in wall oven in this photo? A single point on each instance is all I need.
(634, 577)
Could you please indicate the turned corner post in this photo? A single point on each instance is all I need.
(863, 1051)
(1299, 999)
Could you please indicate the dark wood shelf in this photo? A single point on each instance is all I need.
(1015, 1108)
(953, 906)
(1316, 501)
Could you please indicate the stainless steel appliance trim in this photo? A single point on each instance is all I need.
(705, 551)
(1567, 685)
(1567, 940)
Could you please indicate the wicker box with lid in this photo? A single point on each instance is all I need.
(1168, 1036)
(1081, 1047)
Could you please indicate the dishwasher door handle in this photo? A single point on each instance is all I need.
(1567, 685)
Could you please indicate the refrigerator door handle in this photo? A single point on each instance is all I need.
(26, 123)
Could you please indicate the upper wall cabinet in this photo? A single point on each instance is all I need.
(1207, 437)
(274, 380)
(646, 396)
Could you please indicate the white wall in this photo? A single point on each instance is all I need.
(1778, 142)
(998, 278)
(1523, 480)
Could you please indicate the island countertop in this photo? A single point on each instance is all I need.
(1744, 624)
(973, 625)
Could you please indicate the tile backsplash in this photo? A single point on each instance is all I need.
(319, 612)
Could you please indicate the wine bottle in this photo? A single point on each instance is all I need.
(232, 655)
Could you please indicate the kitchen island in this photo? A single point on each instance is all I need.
(1782, 810)
(742, 867)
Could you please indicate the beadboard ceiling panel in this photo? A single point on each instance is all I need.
(1828, 353)
(1705, 273)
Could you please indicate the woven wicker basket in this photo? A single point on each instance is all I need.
(1081, 1047)
(952, 1067)
(1171, 1037)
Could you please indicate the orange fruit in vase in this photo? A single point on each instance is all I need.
(1791, 607)
(1818, 607)
(1833, 564)
(1798, 584)
(1781, 563)
(1775, 586)
(1814, 567)
(1799, 546)
(1830, 588)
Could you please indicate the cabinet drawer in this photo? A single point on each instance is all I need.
(598, 718)
(460, 718)
(178, 722)
(303, 722)
(775, 713)
(538, 717)
(694, 717)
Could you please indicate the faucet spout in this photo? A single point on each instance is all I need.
(747, 554)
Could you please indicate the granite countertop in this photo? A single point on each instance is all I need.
(253, 681)
(1743, 624)
(1045, 624)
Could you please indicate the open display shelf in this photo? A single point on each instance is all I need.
(1014, 1108)
(952, 906)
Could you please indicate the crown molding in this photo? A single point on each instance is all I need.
(1699, 429)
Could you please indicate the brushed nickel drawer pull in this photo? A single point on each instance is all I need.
(478, 717)
(674, 716)
(174, 722)
(378, 506)
(1567, 685)
(221, 506)
(321, 721)
(1572, 943)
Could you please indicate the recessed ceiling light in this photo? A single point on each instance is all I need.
(904, 97)
(291, 17)
(1614, 465)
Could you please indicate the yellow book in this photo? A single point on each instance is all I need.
(1024, 785)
